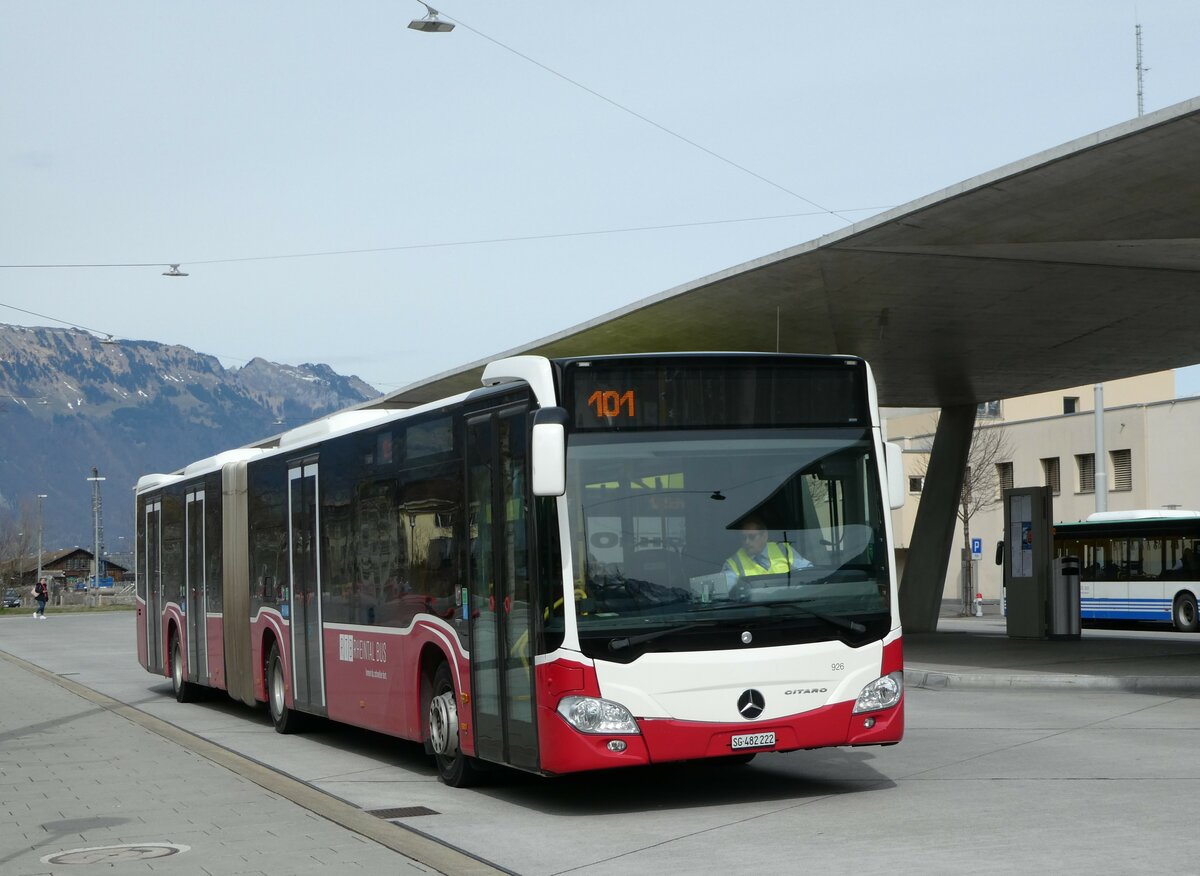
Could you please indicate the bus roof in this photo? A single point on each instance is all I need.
(1148, 514)
(1149, 523)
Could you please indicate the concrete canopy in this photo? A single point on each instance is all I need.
(1074, 266)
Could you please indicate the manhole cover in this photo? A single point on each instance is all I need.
(116, 854)
(402, 812)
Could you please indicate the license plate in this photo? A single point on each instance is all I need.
(753, 740)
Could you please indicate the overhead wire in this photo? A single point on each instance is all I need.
(822, 210)
(451, 243)
(56, 319)
(108, 336)
(645, 119)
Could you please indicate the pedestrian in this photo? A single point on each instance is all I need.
(41, 595)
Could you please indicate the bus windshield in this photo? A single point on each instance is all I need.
(682, 538)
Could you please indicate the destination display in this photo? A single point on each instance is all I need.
(708, 392)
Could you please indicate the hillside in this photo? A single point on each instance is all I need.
(69, 402)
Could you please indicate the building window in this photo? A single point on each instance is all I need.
(1050, 474)
(916, 484)
(1122, 466)
(1004, 476)
(1085, 463)
(1070, 404)
(989, 409)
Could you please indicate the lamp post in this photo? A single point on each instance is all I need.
(40, 497)
(96, 561)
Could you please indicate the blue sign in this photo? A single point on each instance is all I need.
(977, 547)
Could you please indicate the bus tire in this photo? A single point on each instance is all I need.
(1184, 614)
(454, 768)
(184, 691)
(285, 720)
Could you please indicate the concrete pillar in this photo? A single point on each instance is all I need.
(933, 530)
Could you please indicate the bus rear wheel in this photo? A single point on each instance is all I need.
(184, 691)
(285, 720)
(454, 768)
(1186, 618)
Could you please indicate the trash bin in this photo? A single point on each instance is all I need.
(1064, 599)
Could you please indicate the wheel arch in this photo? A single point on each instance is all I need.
(431, 657)
(1183, 596)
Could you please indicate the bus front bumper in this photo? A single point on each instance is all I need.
(566, 750)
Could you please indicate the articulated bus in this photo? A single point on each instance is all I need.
(1136, 565)
(533, 574)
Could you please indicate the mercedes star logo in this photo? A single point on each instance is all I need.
(751, 704)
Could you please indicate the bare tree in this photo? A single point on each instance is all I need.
(990, 449)
(18, 535)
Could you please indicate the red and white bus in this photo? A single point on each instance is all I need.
(535, 573)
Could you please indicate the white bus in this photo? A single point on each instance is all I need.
(534, 573)
(1136, 565)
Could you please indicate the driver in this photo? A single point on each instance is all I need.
(758, 556)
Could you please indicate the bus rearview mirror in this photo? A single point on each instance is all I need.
(549, 452)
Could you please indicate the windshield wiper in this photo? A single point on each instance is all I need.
(831, 619)
(620, 644)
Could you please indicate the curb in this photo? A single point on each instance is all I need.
(928, 679)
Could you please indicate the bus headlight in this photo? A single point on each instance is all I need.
(882, 693)
(593, 715)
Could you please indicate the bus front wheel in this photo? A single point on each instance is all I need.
(285, 720)
(1187, 620)
(454, 768)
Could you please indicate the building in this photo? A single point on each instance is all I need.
(69, 567)
(1049, 439)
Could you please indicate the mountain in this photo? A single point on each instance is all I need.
(70, 402)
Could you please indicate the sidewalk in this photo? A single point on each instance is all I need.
(78, 778)
(977, 653)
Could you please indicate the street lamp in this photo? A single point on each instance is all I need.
(95, 480)
(430, 23)
(40, 497)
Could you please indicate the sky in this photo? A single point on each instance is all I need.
(343, 189)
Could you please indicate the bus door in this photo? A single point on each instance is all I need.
(196, 589)
(154, 586)
(304, 606)
(499, 568)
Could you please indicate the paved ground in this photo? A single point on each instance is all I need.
(88, 780)
(76, 775)
(993, 744)
(977, 653)
(84, 781)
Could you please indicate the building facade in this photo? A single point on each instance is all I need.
(1050, 440)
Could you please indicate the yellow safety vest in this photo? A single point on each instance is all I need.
(780, 558)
